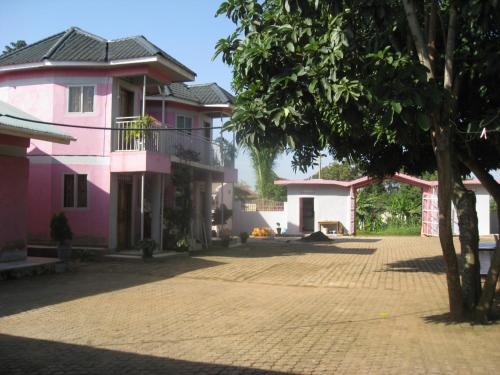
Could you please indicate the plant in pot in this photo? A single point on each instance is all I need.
(136, 137)
(278, 229)
(60, 231)
(244, 237)
(147, 247)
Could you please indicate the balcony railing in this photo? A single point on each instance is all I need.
(187, 147)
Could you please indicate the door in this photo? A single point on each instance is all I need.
(126, 103)
(307, 214)
(124, 214)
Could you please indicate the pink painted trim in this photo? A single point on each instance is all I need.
(363, 181)
(313, 182)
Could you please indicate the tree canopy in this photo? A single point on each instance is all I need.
(390, 84)
(14, 45)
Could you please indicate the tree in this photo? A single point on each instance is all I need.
(263, 159)
(340, 171)
(368, 81)
(13, 46)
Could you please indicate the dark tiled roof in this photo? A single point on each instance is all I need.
(80, 46)
(209, 93)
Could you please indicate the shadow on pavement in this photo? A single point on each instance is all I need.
(32, 356)
(274, 249)
(90, 279)
(433, 264)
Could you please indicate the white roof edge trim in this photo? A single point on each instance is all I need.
(218, 105)
(176, 100)
(176, 68)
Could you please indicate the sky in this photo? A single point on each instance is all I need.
(186, 29)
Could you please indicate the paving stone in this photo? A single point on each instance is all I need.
(355, 306)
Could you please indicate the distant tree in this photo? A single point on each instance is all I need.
(263, 159)
(14, 45)
(340, 171)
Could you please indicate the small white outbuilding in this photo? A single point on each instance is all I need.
(318, 204)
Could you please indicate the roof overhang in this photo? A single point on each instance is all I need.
(27, 133)
(174, 71)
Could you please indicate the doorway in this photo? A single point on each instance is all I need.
(307, 214)
(124, 213)
(126, 103)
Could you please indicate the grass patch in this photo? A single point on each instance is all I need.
(391, 231)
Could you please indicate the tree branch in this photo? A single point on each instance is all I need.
(418, 38)
(450, 48)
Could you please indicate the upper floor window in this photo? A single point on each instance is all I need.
(81, 99)
(75, 190)
(184, 122)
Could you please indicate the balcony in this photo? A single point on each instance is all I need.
(178, 144)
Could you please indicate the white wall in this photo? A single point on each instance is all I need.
(330, 203)
(246, 221)
(482, 208)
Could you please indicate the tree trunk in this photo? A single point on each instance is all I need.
(483, 308)
(441, 139)
(465, 205)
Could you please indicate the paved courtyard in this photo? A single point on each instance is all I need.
(356, 306)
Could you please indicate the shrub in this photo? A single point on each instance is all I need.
(60, 231)
(244, 237)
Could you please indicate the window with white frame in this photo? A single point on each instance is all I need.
(184, 122)
(81, 99)
(75, 191)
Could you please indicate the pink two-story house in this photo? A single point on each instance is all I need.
(114, 183)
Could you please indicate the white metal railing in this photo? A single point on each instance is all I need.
(187, 147)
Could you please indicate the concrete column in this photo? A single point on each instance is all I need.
(208, 206)
(133, 204)
(143, 183)
(113, 212)
(156, 210)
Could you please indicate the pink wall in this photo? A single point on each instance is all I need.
(13, 204)
(140, 161)
(90, 224)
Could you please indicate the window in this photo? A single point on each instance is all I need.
(81, 99)
(75, 190)
(184, 122)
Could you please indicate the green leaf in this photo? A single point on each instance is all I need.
(290, 47)
(396, 107)
(312, 86)
(423, 121)
(387, 117)
(287, 6)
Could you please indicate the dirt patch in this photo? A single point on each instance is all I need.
(316, 237)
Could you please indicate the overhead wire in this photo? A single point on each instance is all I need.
(101, 127)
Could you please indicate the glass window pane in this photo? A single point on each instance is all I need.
(180, 122)
(74, 99)
(69, 190)
(88, 99)
(188, 124)
(82, 190)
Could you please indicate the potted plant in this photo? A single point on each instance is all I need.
(60, 232)
(225, 240)
(147, 246)
(244, 237)
(278, 229)
(136, 136)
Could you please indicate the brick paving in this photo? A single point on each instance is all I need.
(356, 306)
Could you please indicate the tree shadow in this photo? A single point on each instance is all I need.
(434, 264)
(91, 279)
(22, 355)
(273, 249)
